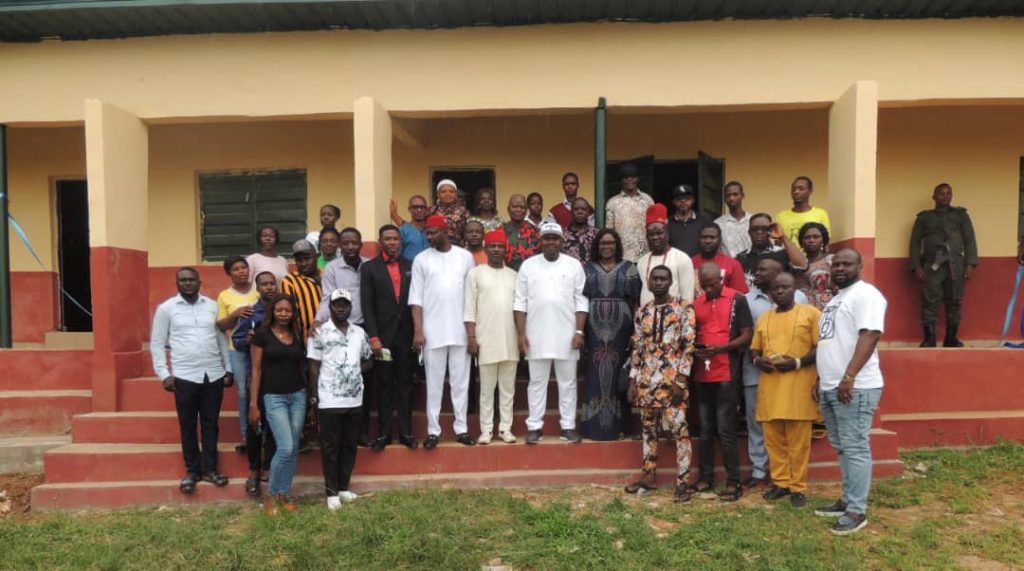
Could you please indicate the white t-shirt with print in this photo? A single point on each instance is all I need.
(340, 384)
(855, 308)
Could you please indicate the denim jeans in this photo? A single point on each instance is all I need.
(241, 365)
(849, 432)
(285, 414)
(755, 435)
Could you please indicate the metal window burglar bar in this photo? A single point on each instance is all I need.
(5, 255)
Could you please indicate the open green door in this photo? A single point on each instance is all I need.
(644, 165)
(710, 179)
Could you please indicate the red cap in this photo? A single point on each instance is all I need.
(496, 236)
(657, 214)
(437, 221)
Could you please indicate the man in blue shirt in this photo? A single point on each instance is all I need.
(199, 372)
(414, 233)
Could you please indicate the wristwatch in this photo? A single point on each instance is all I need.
(579, 332)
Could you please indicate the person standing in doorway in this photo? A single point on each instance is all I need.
(233, 304)
(663, 254)
(663, 339)
(783, 348)
(437, 297)
(563, 211)
(850, 384)
(491, 330)
(199, 371)
(735, 223)
(686, 223)
(329, 217)
(793, 219)
(724, 329)
(943, 256)
(339, 356)
(454, 211)
(384, 285)
(486, 211)
(279, 377)
(550, 314)
(267, 259)
(625, 213)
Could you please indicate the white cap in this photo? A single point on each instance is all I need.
(553, 228)
(341, 294)
(446, 182)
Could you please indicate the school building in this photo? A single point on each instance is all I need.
(144, 136)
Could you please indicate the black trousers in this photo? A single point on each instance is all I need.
(339, 437)
(259, 445)
(366, 411)
(717, 404)
(393, 381)
(199, 401)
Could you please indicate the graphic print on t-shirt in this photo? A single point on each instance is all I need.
(828, 321)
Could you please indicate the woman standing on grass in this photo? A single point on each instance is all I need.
(279, 374)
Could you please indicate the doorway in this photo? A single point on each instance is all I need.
(73, 255)
(658, 177)
(468, 179)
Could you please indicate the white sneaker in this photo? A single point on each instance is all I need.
(485, 438)
(507, 436)
(347, 497)
(333, 503)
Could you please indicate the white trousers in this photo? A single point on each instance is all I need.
(455, 359)
(537, 392)
(503, 376)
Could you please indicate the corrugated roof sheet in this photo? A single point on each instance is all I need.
(34, 20)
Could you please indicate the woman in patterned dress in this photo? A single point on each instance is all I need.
(816, 281)
(579, 236)
(613, 288)
(449, 206)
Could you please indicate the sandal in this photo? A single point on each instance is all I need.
(187, 485)
(216, 478)
(684, 493)
(733, 491)
(638, 485)
(702, 486)
(252, 487)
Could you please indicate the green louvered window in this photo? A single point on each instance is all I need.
(233, 205)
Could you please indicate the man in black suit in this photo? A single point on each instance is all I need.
(384, 295)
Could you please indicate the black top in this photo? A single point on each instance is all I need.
(284, 366)
(749, 259)
(741, 318)
(685, 234)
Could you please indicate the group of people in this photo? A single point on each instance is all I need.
(685, 319)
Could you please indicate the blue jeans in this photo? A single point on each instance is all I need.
(242, 368)
(849, 432)
(285, 414)
(755, 435)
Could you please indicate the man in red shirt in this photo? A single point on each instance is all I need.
(709, 250)
(724, 330)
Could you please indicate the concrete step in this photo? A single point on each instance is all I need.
(37, 369)
(133, 462)
(162, 427)
(41, 412)
(24, 454)
(963, 428)
(109, 495)
(147, 394)
(951, 380)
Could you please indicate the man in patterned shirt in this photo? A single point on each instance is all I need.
(580, 234)
(625, 213)
(663, 352)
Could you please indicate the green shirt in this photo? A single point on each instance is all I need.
(940, 234)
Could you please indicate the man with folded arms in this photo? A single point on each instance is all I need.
(550, 313)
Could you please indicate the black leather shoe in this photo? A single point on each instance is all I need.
(409, 442)
(216, 478)
(431, 442)
(929, 336)
(381, 443)
(364, 442)
(775, 493)
(466, 439)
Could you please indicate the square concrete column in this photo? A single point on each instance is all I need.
(852, 149)
(117, 166)
(372, 145)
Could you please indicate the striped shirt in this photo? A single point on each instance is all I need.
(307, 295)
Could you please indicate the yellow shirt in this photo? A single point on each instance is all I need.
(791, 222)
(793, 333)
(229, 300)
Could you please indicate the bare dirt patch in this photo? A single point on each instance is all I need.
(16, 493)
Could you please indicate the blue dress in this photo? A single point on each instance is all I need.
(612, 295)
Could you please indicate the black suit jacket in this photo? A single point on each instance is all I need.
(383, 317)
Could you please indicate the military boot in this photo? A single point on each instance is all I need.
(951, 340)
(929, 336)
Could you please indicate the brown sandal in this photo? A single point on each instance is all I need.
(732, 492)
(684, 493)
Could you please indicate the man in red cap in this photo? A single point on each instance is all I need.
(491, 329)
(437, 295)
(663, 254)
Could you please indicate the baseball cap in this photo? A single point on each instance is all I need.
(341, 293)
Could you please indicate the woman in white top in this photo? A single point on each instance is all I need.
(329, 216)
(267, 259)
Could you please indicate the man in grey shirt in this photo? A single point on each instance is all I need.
(199, 372)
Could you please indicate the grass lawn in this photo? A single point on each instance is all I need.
(954, 509)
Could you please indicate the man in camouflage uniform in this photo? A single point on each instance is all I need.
(943, 255)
